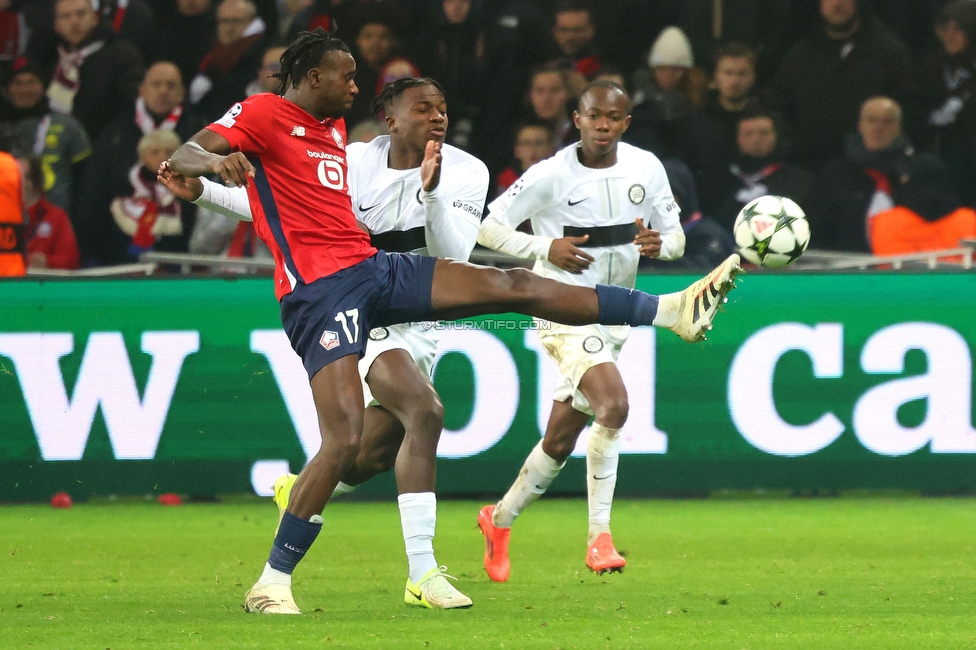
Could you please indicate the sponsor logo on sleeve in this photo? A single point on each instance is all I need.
(636, 194)
(230, 117)
(467, 207)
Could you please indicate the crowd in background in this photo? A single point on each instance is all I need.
(862, 111)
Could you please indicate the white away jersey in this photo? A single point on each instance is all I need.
(560, 192)
(387, 199)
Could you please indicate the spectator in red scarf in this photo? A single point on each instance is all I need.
(150, 217)
(232, 62)
(94, 74)
(160, 105)
(50, 238)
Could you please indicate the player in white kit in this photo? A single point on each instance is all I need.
(595, 208)
(412, 193)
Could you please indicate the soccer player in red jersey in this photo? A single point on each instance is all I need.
(333, 286)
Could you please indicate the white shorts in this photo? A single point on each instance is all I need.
(419, 342)
(576, 349)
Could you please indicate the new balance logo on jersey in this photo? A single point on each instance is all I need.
(298, 130)
(329, 340)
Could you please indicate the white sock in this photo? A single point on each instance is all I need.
(668, 308)
(343, 488)
(274, 577)
(533, 479)
(602, 454)
(418, 517)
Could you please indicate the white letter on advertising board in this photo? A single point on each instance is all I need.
(496, 392)
(946, 387)
(751, 402)
(105, 379)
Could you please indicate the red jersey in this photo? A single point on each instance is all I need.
(300, 194)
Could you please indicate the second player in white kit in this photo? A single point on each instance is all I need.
(402, 218)
(595, 208)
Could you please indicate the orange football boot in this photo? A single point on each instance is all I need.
(497, 565)
(602, 557)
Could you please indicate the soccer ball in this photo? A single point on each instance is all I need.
(771, 231)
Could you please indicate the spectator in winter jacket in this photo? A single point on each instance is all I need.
(50, 239)
(94, 74)
(759, 167)
(941, 115)
(187, 37)
(266, 82)
(573, 37)
(666, 92)
(231, 63)
(879, 171)
(714, 126)
(57, 139)
(824, 79)
(534, 141)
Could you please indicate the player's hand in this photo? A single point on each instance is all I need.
(649, 241)
(565, 254)
(182, 187)
(233, 168)
(430, 168)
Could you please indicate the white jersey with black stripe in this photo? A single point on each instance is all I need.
(561, 191)
(386, 199)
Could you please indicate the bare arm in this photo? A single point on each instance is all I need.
(207, 152)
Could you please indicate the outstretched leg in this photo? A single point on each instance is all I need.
(460, 290)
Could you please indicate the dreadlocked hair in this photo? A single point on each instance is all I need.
(384, 100)
(304, 53)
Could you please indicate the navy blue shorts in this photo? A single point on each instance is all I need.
(332, 316)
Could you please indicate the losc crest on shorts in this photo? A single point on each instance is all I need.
(332, 317)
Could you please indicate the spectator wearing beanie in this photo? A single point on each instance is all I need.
(665, 93)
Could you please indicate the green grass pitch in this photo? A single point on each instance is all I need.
(851, 572)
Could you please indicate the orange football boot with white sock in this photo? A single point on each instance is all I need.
(497, 565)
(602, 557)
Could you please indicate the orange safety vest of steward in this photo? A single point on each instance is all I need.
(13, 233)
